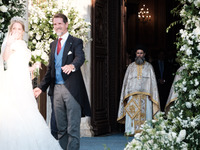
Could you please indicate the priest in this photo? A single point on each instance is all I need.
(139, 99)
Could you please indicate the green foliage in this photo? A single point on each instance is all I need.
(105, 147)
(173, 24)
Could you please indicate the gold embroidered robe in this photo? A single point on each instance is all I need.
(139, 85)
(172, 94)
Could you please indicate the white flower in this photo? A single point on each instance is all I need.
(193, 124)
(3, 8)
(184, 89)
(181, 136)
(182, 13)
(45, 57)
(188, 52)
(31, 33)
(38, 52)
(173, 134)
(188, 105)
(34, 41)
(38, 37)
(196, 31)
(196, 82)
(198, 47)
(190, 42)
(184, 82)
(137, 135)
(149, 130)
(153, 121)
(184, 47)
(197, 3)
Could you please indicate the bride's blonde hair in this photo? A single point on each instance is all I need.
(16, 20)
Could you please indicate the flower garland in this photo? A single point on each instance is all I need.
(9, 9)
(41, 32)
(181, 129)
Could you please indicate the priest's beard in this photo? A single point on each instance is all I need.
(139, 60)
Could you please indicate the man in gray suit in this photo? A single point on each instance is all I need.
(66, 84)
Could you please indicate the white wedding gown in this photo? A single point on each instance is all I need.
(21, 125)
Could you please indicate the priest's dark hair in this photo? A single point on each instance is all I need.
(140, 46)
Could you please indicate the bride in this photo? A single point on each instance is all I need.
(21, 125)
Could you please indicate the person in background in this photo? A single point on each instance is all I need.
(173, 95)
(139, 99)
(163, 75)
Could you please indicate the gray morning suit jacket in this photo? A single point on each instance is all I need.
(74, 81)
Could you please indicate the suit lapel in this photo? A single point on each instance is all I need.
(67, 48)
(53, 49)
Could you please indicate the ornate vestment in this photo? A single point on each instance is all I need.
(173, 95)
(139, 96)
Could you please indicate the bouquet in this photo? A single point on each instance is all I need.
(38, 57)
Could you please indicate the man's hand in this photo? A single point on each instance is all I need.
(68, 68)
(37, 91)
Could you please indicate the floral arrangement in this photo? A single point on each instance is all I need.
(9, 9)
(181, 129)
(157, 136)
(41, 32)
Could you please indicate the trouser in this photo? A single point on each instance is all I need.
(54, 130)
(68, 118)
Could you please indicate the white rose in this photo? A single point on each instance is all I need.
(44, 56)
(196, 31)
(38, 37)
(31, 33)
(33, 54)
(35, 20)
(3, 8)
(197, 3)
(149, 130)
(162, 132)
(184, 89)
(190, 1)
(137, 135)
(188, 105)
(193, 124)
(34, 41)
(196, 82)
(181, 136)
(190, 42)
(188, 52)
(182, 13)
(38, 52)
(173, 134)
(198, 47)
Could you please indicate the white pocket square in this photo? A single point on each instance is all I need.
(69, 53)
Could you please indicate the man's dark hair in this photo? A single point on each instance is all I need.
(60, 15)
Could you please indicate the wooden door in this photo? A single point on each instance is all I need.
(100, 74)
